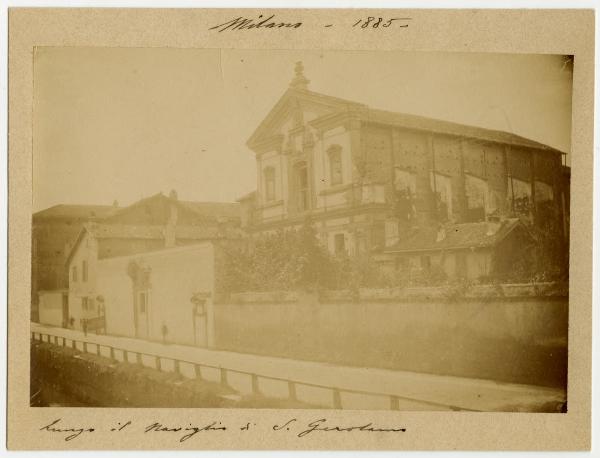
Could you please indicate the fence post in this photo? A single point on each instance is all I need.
(255, 389)
(74, 344)
(125, 358)
(157, 360)
(223, 376)
(84, 346)
(394, 403)
(198, 371)
(337, 399)
(112, 352)
(176, 367)
(64, 342)
(138, 358)
(292, 390)
(55, 340)
(98, 349)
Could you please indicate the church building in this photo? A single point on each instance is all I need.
(364, 177)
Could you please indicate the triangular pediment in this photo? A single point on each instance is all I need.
(294, 109)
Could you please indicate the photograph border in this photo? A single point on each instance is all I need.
(430, 30)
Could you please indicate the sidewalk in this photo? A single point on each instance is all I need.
(416, 391)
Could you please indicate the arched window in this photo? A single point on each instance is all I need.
(269, 174)
(335, 165)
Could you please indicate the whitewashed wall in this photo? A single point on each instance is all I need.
(176, 274)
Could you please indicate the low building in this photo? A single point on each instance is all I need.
(97, 242)
(162, 295)
(468, 250)
(53, 232)
(146, 225)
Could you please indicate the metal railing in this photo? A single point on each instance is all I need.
(336, 392)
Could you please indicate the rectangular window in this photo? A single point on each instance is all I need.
(339, 243)
(84, 270)
(543, 192)
(405, 181)
(74, 273)
(405, 185)
(519, 195)
(442, 188)
(426, 263)
(269, 184)
(476, 190)
(461, 265)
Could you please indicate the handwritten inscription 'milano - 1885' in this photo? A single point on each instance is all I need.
(241, 23)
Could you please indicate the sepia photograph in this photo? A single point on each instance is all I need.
(300, 229)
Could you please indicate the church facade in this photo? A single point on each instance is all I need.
(364, 177)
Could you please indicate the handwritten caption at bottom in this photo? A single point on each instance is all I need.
(183, 433)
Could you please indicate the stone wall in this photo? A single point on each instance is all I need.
(512, 333)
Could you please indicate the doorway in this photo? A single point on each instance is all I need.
(65, 310)
(143, 312)
(199, 321)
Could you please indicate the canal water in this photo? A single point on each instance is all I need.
(50, 395)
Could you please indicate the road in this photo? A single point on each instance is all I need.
(414, 391)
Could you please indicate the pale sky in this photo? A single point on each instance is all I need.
(126, 123)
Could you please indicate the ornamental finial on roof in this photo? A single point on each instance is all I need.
(299, 81)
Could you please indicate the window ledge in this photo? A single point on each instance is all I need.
(335, 189)
(273, 203)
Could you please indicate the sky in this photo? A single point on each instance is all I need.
(126, 123)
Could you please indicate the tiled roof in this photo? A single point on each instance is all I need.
(120, 231)
(411, 121)
(226, 209)
(137, 232)
(209, 210)
(455, 236)
(451, 128)
(77, 211)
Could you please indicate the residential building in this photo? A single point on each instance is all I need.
(52, 234)
(98, 242)
(150, 224)
(468, 250)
